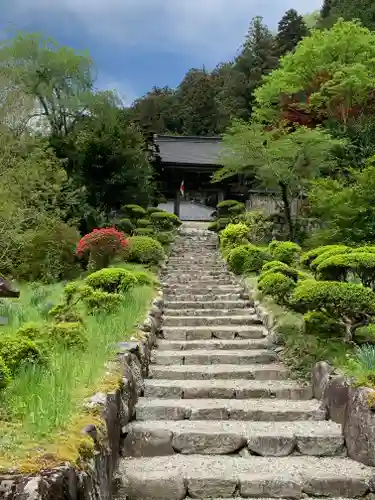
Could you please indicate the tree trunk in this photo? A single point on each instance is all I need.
(287, 210)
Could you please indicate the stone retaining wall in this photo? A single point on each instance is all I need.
(94, 481)
(352, 407)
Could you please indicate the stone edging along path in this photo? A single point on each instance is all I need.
(94, 481)
(351, 407)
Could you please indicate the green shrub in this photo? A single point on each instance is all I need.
(340, 267)
(338, 250)
(246, 259)
(47, 253)
(285, 251)
(319, 323)
(134, 212)
(105, 302)
(165, 237)
(259, 226)
(143, 223)
(125, 225)
(143, 278)
(234, 235)
(112, 280)
(350, 304)
(237, 209)
(221, 223)
(64, 313)
(143, 231)
(68, 334)
(145, 250)
(165, 221)
(152, 210)
(308, 257)
(224, 206)
(32, 331)
(277, 285)
(277, 266)
(361, 365)
(17, 351)
(365, 334)
(5, 375)
(213, 226)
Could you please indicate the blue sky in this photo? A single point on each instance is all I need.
(140, 43)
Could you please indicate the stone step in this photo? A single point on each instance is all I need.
(196, 281)
(188, 345)
(261, 410)
(183, 296)
(226, 389)
(202, 290)
(249, 319)
(223, 371)
(208, 304)
(199, 476)
(210, 437)
(213, 357)
(222, 332)
(206, 312)
(206, 273)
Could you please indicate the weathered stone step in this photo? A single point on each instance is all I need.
(207, 332)
(184, 296)
(226, 389)
(213, 357)
(206, 312)
(261, 410)
(202, 290)
(208, 304)
(198, 476)
(187, 345)
(269, 439)
(196, 281)
(250, 319)
(220, 371)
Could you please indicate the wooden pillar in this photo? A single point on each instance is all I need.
(177, 201)
(220, 196)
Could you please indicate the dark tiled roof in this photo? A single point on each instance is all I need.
(189, 150)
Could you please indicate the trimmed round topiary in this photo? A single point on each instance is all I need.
(104, 302)
(350, 304)
(224, 206)
(308, 257)
(145, 250)
(165, 237)
(112, 280)
(143, 231)
(234, 235)
(153, 210)
(125, 225)
(277, 285)
(222, 223)
(285, 251)
(328, 252)
(143, 223)
(280, 267)
(237, 209)
(134, 212)
(340, 267)
(69, 334)
(165, 221)
(319, 323)
(246, 259)
(144, 279)
(213, 226)
(5, 375)
(17, 351)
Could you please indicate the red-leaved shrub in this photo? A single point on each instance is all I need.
(101, 245)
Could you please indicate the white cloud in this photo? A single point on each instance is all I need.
(213, 27)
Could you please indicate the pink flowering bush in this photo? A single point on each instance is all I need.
(101, 246)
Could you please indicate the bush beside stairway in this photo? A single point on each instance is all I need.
(220, 417)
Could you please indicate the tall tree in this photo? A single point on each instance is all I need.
(291, 29)
(363, 10)
(256, 59)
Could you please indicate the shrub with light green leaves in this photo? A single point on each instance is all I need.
(112, 280)
(144, 279)
(308, 257)
(125, 225)
(320, 323)
(143, 231)
(285, 251)
(17, 351)
(165, 237)
(104, 302)
(223, 208)
(143, 223)
(277, 285)
(145, 250)
(277, 266)
(134, 212)
(68, 334)
(165, 221)
(5, 375)
(349, 304)
(234, 235)
(329, 253)
(246, 259)
(342, 267)
(236, 209)
(152, 210)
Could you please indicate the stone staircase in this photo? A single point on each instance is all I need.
(220, 417)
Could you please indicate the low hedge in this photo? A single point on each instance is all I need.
(285, 251)
(112, 280)
(277, 285)
(247, 258)
(145, 250)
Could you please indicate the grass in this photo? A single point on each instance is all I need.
(42, 406)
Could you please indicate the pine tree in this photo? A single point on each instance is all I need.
(291, 29)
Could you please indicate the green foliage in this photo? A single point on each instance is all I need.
(5, 375)
(145, 250)
(165, 221)
(63, 313)
(143, 223)
(341, 267)
(224, 207)
(17, 351)
(152, 210)
(125, 225)
(350, 304)
(237, 209)
(277, 285)
(103, 302)
(143, 278)
(259, 226)
(246, 259)
(361, 365)
(134, 212)
(308, 257)
(112, 280)
(285, 251)
(234, 235)
(68, 334)
(365, 334)
(276, 266)
(165, 237)
(32, 331)
(319, 323)
(143, 231)
(291, 30)
(334, 250)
